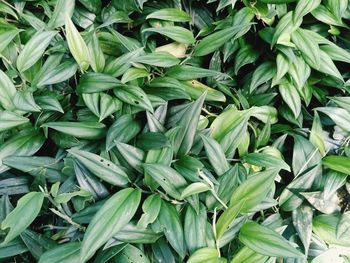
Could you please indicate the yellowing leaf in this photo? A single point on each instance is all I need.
(77, 45)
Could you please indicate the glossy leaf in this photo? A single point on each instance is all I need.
(34, 49)
(29, 205)
(84, 130)
(266, 241)
(113, 215)
(170, 14)
(176, 33)
(101, 167)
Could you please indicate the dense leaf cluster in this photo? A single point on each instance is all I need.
(174, 131)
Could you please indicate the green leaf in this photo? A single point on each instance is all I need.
(300, 72)
(340, 116)
(176, 33)
(13, 248)
(134, 234)
(97, 59)
(133, 95)
(170, 14)
(134, 73)
(132, 254)
(343, 226)
(322, 14)
(290, 198)
(120, 65)
(302, 221)
(343, 102)
(34, 49)
(266, 160)
(158, 59)
(9, 120)
(25, 143)
(116, 17)
(308, 47)
(214, 41)
(205, 254)
(262, 74)
(305, 155)
(101, 167)
(282, 67)
(335, 52)
(195, 89)
(253, 190)
(266, 241)
(169, 221)
(130, 156)
(65, 253)
(328, 67)
(24, 101)
(189, 122)
(7, 36)
(65, 197)
(28, 205)
(96, 82)
(215, 155)
(284, 28)
(227, 217)
(325, 227)
(152, 140)
(150, 208)
(101, 104)
(35, 165)
(248, 256)
(195, 228)
(88, 182)
(245, 55)
(77, 45)
(170, 180)
(193, 189)
(186, 72)
(7, 91)
(303, 8)
(333, 181)
(83, 130)
(174, 89)
(316, 135)
(122, 130)
(111, 217)
(59, 74)
(337, 163)
(62, 9)
(225, 122)
(129, 43)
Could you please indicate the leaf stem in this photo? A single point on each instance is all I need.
(67, 218)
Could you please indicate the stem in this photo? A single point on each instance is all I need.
(67, 218)
(218, 198)
(206, 179)
(5, 2)
(209, 113)
(215, 234)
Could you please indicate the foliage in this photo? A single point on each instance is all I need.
(174, 131)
